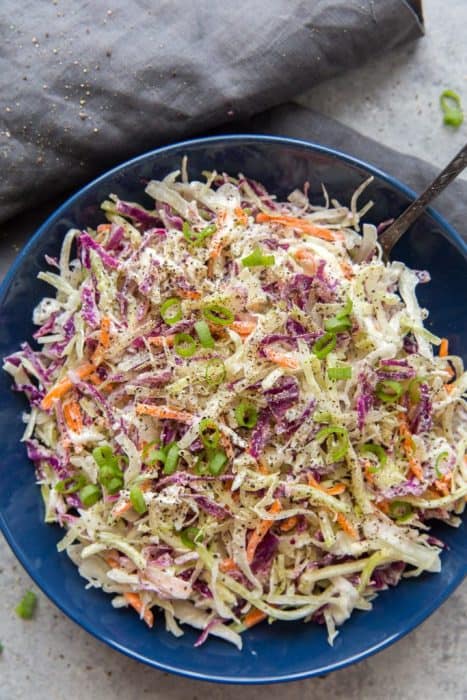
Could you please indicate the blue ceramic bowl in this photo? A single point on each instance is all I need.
(281, 652)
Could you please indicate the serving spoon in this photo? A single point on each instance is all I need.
(389, 237)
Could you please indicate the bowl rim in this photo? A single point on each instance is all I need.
(240, 139)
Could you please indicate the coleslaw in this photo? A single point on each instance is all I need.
(236, 411)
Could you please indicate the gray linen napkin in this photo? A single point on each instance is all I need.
(86, 85)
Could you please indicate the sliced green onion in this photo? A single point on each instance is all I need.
(340, 372)
(257, 258)
(215, 371)
(108, 472)
(338, 325)
(218, 314)
(452, 108)
(190, 536)
(209, 433)
(201, 466)
(197, 237)
(204, 334)
(217, 462)
(150, 456)
(114, 485)
(171, 311)
(27, 606)
(137, 500)
(171, 461)
(324, 345)
(389, 391)
(400, 510)
(346, 310)
(89, 495)
(104, 455)
(246, 415)
(337, 440)
(184, 345)
(378, 451)
(71, 484)
(440, 458)
(156, 456)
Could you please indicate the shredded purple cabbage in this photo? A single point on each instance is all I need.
(89, 309)
(297, 290)
(138, 214)
(265, 553)
(421, 421)
(364, 399)
(411, 487)
(41, 371)
(210, 507)
(88, 243)
(116, 236)
(38, 453)
(282, 395)
(260, 433)
(388, 575)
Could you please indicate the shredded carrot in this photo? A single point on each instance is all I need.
(416, 468)
(281, 359)
(227, 565)
(95, 379)
(188, 293)
(408, 445)
(253, 617)
(289, 523)
(383, 506)
(134, 600)
(260, 532)
(293, 222)
(103, 228)
(331, 491)
(111, 558)
(104, 341)
(163, 412)
(307, 260)
(406, 435)
(442, 487)
(241, 216)
(336, 490)
(243, 327)
(346, 525)
(160, 340)
(312, 482)
(73, 417)
(444, 348)
(65, 384)
(262, 466)
(369, 476)
(346, 269)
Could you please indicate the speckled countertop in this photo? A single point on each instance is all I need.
(393, 99)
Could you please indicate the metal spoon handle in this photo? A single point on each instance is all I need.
(391, 235)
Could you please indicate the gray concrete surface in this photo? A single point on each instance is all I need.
(394, 99)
